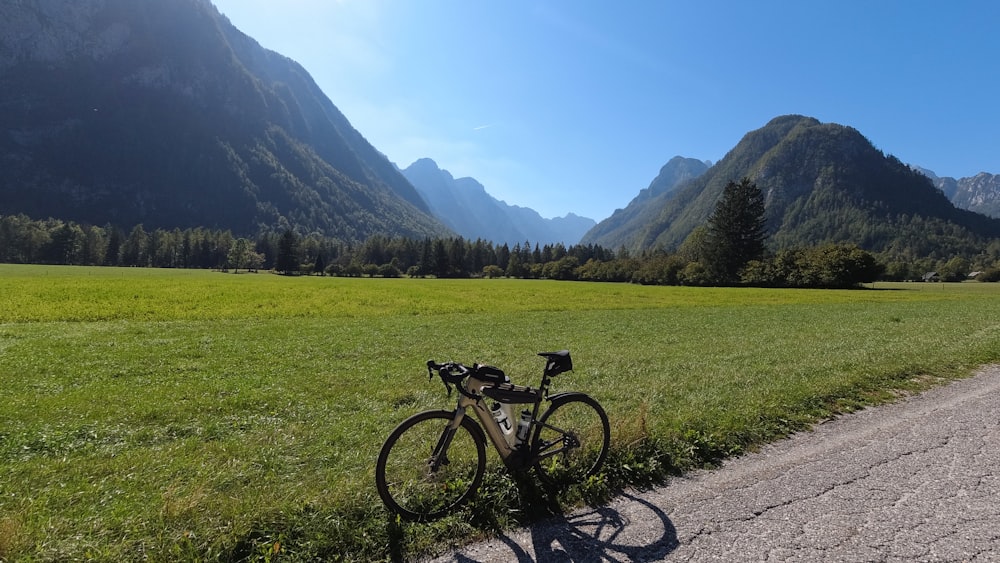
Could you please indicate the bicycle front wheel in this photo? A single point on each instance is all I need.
(571, 440)
(426, 469)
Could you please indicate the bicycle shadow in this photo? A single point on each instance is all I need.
(599, 534)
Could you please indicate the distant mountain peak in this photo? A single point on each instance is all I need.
(426, 164)
(675, 172)
(626, 224)
(465, 206)
(788, 121)
(979, 193)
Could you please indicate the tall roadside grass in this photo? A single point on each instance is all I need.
(185, 415)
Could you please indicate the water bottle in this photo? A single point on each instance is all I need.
(503, 420)
(522, 428)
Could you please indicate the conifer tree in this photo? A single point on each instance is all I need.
(736, 231)
(288, 253)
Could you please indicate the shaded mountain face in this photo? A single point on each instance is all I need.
(464, 205)
(160, 112)
(823, 182)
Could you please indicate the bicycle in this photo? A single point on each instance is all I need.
(434, 461)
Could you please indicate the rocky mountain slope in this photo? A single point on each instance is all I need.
(980, 193)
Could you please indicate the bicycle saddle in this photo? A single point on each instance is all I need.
(557, 362)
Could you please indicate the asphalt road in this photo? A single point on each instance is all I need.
(917, 480)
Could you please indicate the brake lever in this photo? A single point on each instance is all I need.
(430, 374)
(445, 381)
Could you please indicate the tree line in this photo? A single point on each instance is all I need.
(730, 249)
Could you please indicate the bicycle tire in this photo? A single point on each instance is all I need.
(577, 427)
(403, 475)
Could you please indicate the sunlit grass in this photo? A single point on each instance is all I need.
(168, 415)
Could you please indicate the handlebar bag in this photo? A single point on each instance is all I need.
(491, 374)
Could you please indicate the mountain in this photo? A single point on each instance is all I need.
(980, 193)
(675, 172)
(160, 112)
(823, 182)
(624, 224)
(464, 205)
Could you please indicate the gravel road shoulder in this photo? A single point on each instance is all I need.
(917, 480)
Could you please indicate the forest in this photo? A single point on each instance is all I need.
(52, 241)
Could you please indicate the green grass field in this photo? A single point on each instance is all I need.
(193, 415)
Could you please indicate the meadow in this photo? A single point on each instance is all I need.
(194, 415)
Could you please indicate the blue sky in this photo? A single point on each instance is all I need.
(573, 106)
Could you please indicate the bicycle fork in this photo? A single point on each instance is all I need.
(439, 456)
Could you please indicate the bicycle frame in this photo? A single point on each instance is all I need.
(514, 457)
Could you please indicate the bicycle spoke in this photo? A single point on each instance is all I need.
(406, 475)
(572, 441)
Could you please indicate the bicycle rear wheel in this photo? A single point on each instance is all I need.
(572, 440)
(426, 470)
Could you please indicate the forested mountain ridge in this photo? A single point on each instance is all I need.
(823, 183)
(160, 112)
(464, 205)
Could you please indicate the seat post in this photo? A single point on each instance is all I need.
(546, 381)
